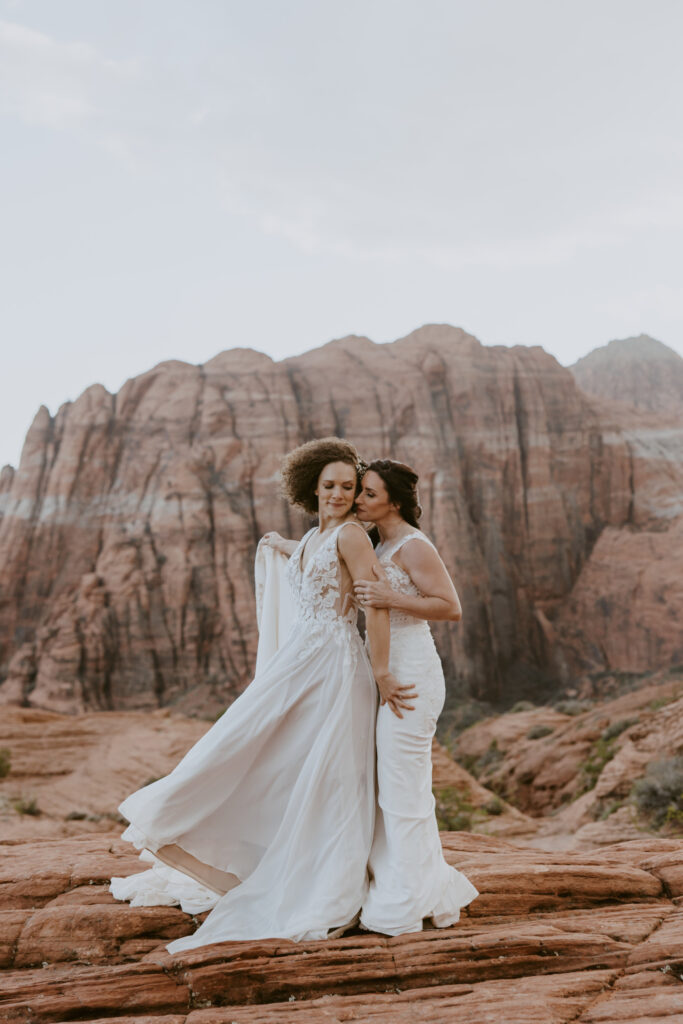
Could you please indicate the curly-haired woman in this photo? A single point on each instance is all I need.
(410, 878)
(269, 818)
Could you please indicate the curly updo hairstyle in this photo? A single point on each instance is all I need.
(302, 468)
(401, 484)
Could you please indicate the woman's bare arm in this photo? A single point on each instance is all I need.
(359, 558)
(438, 598)
(281, 544)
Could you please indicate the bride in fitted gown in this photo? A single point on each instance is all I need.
(268, 819)
(410, 878)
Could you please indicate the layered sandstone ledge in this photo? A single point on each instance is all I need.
(589, 938)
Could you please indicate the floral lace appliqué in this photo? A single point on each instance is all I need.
(317, 590)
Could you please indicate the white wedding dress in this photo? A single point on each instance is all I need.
(279, 795)
(410, 880)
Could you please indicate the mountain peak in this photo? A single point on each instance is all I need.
(640, 371)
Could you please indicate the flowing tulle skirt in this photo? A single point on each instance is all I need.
(279, 793)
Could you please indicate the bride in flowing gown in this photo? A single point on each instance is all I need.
(410, 878)
(268, 819)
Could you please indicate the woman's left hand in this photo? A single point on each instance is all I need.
(375, 593)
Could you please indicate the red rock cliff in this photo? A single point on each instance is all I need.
(128, 531)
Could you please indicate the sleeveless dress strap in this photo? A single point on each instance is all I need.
(397, 545)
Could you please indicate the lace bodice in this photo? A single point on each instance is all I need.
(317, 588)
(400, 580)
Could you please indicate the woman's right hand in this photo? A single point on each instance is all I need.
(281, 544)
(274, 541)
(391, 692)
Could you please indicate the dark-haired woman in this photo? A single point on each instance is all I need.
(410, 880)
(268, 819)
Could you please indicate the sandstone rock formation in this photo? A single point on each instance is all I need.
(575, 773)
(554, 938)
(127, 533)
(641, 372)
(68, 774)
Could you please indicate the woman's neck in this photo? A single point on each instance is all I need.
(326, 522)
(391, 527)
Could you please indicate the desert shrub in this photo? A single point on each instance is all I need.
(494, 806)
(5, 762)
(468, 761)
(571, 707)
(458, 716)
(661, 702)
(522, 705)
(113, 816)
(454, 812)
(603, 809)
(27, 805)
(500, 788)
(76, 816)
(659, 794)
(536, 732)
(601, 753)
(616, 728)
(490, 757)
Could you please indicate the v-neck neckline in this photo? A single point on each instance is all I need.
(304, 569)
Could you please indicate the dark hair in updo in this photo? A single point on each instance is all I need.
(401, 484)
(302, 468)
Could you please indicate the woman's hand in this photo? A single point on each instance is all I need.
(391, 692)
(376, 593)
(278, 543)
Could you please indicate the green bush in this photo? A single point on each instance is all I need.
(494, 806)
(490, 757)
(454, 812)
(601, 753)
(616, 728)
(522, 705)
(537, 732)
(5, 762)
(26, 805)
(572, 707)
(659, 794)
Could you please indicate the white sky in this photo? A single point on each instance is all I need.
(183, 176)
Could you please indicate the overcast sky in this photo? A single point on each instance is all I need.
(184, 176)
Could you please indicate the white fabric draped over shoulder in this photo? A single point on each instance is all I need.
(275, 613)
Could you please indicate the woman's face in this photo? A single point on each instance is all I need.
(373, 504)
(336, 489)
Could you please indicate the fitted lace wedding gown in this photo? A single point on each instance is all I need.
(278, 798)
(410, 878)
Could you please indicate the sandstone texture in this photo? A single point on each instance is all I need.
(575, 772)
(128, 531)
(553, 938)
(639, 372)
(68, 774)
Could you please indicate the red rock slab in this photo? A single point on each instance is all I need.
(11, 923)
(100, 933)
(277, 971)
(517, 888)
(637, 1008)
(542, 1000)
(669, 867)
(144, 1019)
(663, 948)
(34, 873)
(69, 993)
